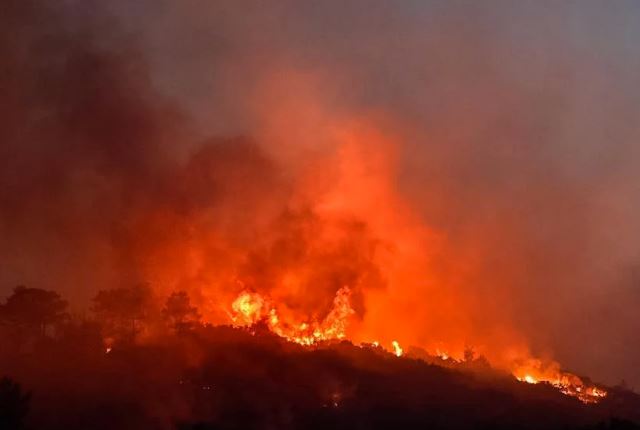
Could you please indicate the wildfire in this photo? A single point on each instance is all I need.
(250, 308)
(443, 355)
(528, 379)
(397, 350)
(534, 372)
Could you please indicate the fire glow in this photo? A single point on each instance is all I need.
(565, 382)
(250, 308)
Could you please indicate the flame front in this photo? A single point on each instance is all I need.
(250, 308)
(534, 372)
(345, 236)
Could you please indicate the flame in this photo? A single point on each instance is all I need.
(397, 350)
(393, 260)
(528, 379)
(534, 372)
(249, 308)
(443, 355)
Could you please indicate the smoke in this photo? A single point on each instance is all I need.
(469, 170)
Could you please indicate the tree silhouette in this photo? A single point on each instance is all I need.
(122, 309)
(79, 333)
(178, 312)
(469, 354)
(32, 310)
(14, 405)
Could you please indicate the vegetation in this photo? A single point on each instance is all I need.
(14, 405)
(193, 376)
(122, 311)
(32, 310)
(179, 314)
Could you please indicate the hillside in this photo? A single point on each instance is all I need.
(225, 378)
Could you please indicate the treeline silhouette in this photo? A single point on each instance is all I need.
(31, 315)
(134, 364)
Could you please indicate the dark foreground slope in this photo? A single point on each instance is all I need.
(222, 378)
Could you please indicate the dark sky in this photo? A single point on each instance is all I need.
(517, 139)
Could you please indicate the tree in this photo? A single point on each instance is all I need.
(122, 309)
(33, 310)
(469, 354)
(14, 405)
(178, 312)
(81, 334)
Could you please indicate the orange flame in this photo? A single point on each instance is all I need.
(397, 262)
(397, 350)
(250, 308)
(533, 372)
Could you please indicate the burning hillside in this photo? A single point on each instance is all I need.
(405, 192)
(221, 377)
(249, 309)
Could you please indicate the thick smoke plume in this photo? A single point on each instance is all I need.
(469, 171)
